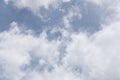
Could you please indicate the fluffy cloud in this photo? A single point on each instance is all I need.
(97, 56)
(17, 50)
(24, 56)
(74, 56)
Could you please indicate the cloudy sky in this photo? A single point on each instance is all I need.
(59, 39)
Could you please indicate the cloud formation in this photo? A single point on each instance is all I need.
(24, 56)
(72, 56)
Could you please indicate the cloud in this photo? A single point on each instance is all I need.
(97, 56)
(17, 48)
(24, 56)
(73, 56)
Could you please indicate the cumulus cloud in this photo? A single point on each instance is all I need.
(24, 56)
(96, 55)
(16, 49)
(73, 56)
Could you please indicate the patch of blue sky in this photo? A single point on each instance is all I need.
(9, 14)
(90, 21)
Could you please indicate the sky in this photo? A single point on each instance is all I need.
(59, 40)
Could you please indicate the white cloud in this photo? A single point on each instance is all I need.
(94, 57)
(16, 48)
(86, 58)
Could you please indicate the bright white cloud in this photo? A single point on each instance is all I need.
(98, 55)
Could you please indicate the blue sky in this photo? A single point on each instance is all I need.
(59, 40)
(92, 15)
